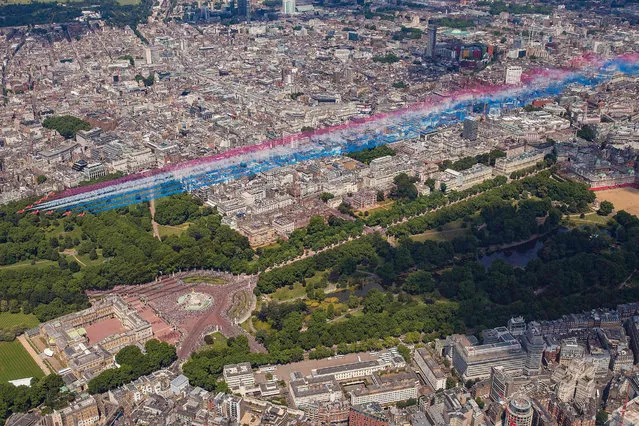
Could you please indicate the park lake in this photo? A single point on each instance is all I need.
(359, 291)
(519, 255)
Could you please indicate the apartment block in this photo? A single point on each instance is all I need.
(474, 361)
(239, 375)
(431, 370)
(371, 414)
(308, 390)
(82, 413)
(506, 165)
(349, 371)
(387, 388)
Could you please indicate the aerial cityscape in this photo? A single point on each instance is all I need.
(319, 212)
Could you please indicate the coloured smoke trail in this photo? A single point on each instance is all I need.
(380, 129)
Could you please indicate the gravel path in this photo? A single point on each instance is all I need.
(156, 229)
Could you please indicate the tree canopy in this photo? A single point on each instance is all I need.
(122, 248)
(575, 270)
(66, 125)
(177, 209)
(605, 208)
(367, 155)
(587, 132)
(404, 187)
(14, 399)
(40, 12)
(467, 162)
(204, 368)
(133, 364)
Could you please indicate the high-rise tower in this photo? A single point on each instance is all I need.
(519, 412)
(244, 9)
(431, 40)
(534, 345)
(471, 129)
(288, 7)
(513, 75)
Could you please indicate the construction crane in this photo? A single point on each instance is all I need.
(32, 87)
(623, 410)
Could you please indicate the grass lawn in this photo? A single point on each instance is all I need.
(285, 293)
(448, 232)
(167, 231)
(219, 341)
(633, 282)
(314, 304)
(248, 325)
(87, 261)
(58, 231)
(9, 320)
(208, 279)
(271, 246)
(16, 362)
(315, 279)
(128, 2)
(27, 263)
(590, 219)
(241, 304)
(384, 205)
(260, 325)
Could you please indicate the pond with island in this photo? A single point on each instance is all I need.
(359, 291)
(518, 256)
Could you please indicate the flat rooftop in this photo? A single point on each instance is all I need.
(344, 367)
(241, 369)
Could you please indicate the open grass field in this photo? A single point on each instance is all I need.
(271, 246)
(298, 291)
(219, 341)
(339, 307)
(87, 260)
(384, 205)
(590, 219)
(27, 264)
(241, 304)
(260, 325)
(60, 233)
(9, 320)
(16, 362)
(448, 232)
(208, 279)
(167, 231)
(315, 279)
(285, 293)
(623, 198)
